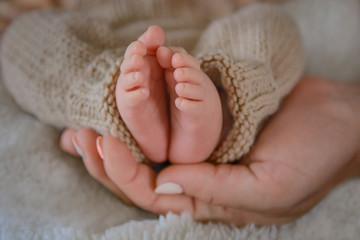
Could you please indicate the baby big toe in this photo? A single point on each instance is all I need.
(153, 38)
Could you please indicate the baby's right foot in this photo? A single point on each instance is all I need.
(195, 107)
(141, 95)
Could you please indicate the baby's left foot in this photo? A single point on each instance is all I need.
(141, 95)
(195, 108)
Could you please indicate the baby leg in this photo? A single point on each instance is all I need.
(141, 95)
(195, 107)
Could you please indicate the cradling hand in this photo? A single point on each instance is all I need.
(308, 147)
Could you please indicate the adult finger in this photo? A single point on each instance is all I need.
(137, 180)
(84, 144)
(236, 186)
(67, 142)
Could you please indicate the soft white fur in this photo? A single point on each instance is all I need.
(46, 194)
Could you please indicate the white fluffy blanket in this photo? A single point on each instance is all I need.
(46, 194)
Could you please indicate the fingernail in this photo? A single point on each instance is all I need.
(169, 188)
(77, 148)
(99, 147)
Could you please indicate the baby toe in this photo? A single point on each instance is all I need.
(180, 60)
(190, 75)
(164, 55)
(131, 64)
(131, 81)
(190, 91)
(135, 48)
(188, 106)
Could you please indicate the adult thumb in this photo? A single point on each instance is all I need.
(228, 185)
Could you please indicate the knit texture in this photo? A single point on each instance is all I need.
(257, 53)
(62, 66)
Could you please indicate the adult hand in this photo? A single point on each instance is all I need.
(308, 147)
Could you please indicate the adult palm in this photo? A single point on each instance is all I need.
(309, 146)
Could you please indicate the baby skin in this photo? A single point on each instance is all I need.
(171, 107)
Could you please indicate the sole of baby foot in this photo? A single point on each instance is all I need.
(141, 95)
(195, 111)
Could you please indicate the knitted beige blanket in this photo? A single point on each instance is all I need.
(46, 194)
(62, 66)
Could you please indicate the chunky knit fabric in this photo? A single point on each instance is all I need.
(62, 66)
(258, 55)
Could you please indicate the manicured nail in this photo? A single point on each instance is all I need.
(99, 147)
(169, 188)
(77, 148)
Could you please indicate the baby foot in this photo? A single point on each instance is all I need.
(141, 95)
(195, 107)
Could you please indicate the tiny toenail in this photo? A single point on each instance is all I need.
(179, 56)
(144, 91)
(178, 102)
